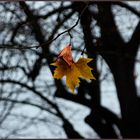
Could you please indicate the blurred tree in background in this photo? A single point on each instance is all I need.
(33, 104)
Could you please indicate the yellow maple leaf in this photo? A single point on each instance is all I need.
(77, 70)
(84, 69)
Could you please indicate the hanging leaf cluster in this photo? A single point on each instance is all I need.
(65, 66)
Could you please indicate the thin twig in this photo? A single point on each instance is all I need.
(83, 51)
(70, 38)
(66, 31)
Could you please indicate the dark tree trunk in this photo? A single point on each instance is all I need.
(124, 80)
(95, 119)
(121, 63)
